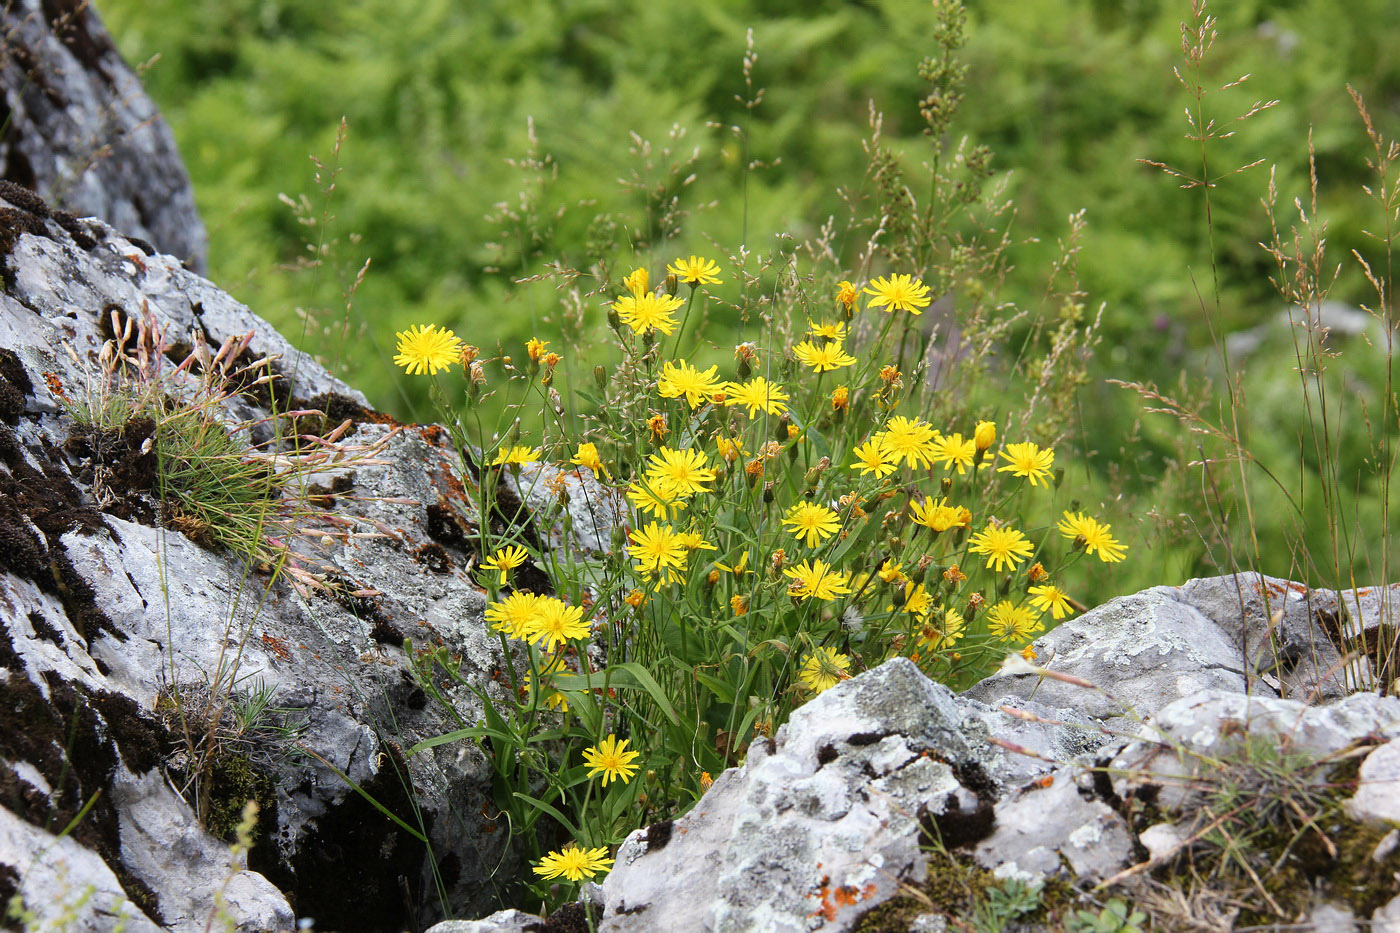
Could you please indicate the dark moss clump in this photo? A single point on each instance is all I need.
(15, 387)
(233, 780)
(571, 918)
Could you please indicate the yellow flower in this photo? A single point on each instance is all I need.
(587, 456)
(573, 863)
(657, 548)
(505, 560)
(846, 294)
(910, 440)
(985, 434)
(680, 472)
(1095, 536)
(758, 393)
(508, 455)
(943, 635)
(554, 699)
(638, 282)
(535, 348)
(694, 541)
(890, 375)
(1005, 547)
(824, 668)
(653, 499)
(611, 759)
(695, 271)
(889, 572)
(952, 449)
(1051, 598)
(658, 427)
(899, 293)
(730, 450)
(1027, 460)
(426, 349)
(812, 521)
(739, 568)
(1012, 623)
(680, 378)
(937, 514)
(739, 604)
(874, 457)
(831, 330)
(840, 398)
(556, 622)
(648, 311)
(636, 599)
(917, 601)
(513, 614)
(816, 579)
(823, 358)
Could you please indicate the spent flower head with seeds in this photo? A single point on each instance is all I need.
(898, 293)
(425, 348)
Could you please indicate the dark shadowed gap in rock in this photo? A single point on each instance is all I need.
(69, 20)
(23, 196)
(827, 754)
(571, 918)
(956, 828)
(659, 834)
(862, 739)
(45, 631)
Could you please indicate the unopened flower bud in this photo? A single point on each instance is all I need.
(768, 491)
(600, 377)
(985, 434)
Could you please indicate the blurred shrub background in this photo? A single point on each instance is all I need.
(487, 139)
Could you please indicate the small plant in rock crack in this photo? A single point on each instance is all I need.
(1117, 916)
(1001, 905)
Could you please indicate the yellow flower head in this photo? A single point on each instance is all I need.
(811, 521)
(739, 604)
(658, 427)
(513, 614)
(874, 456)
(831, 330)
(1052, 599)
(657, 548)
(910, 440)
(917, 599)
(823, 358)
(427, 349)
(937, 514)
(556, 622)
(939, 636)
(638, 282)
(648, 311)
(573, 863)
(535, 348)
(1005, 547)
(587, 456)
(1095, 536)
(695, 271)
(899, 293)
(519, 454)
(758, 394)
(840, 398)
(611, 759)
(816, 580)
(953, 450)
(1011, 622)
(824, 668)
(890, 375)
(680, 472)
(890, 572)
(636, 599)
(653, 499)
(730, 450)
(1027, 460)
(680, 378)
(846, 294)
(506, 560)
(985, 434)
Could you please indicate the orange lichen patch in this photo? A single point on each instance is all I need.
(277, 646)
(1045, 781)
(55, 385)
(846, 895)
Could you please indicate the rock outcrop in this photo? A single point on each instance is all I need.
(77, 127)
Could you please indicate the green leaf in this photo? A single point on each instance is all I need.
(473, 732)
(549, 809)
(719, 688)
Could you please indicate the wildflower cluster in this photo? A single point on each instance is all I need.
(782, 534)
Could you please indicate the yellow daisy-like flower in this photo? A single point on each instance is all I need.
(553, 699)
(874, 456)
(739, 604)
(831, 330)
(755, 395)
(730, 450)
(506, 560)
(985, 434)
(587, 456)
(899, 293)
(612, 760)
(648, 311)
(823, 358)
(917, 599)
(652, 499)
(680, 378)
(694, 541)
(1010, 622)
(656, 548)
(890, 572)
(513, 614)
(910, 440)
(426, 349)
(508, 455)
(535, 349)
(573, 863)
(816, 580)
(840, 398)
(1096, 537)
(846, 294)
(939, 636)
(738, 568)
(937, 514)
(953, 450)
(811, 521)
(823, 669)
(1028, 460)
(556, 622)
(695, 271)
(1052, 599)
(680, 472)
(1005, 547)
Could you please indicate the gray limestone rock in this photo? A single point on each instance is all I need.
(80, 130)
(1377, 797)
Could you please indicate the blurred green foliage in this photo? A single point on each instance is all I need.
(489, 139)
